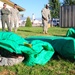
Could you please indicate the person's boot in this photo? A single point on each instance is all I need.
(15, 30)
(43, 32)
(46, 32)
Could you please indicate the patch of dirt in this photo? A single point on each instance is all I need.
(7, 72)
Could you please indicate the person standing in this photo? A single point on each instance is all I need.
(4, 17)
(14, 17)
(45, 18)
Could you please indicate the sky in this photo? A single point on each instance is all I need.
(31, 7)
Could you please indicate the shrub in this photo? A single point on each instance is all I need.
(28, 22)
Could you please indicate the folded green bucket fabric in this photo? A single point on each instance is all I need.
(71, 32)
(42, 52)
(35, 52)
(65, 46)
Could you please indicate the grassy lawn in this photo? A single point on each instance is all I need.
(37, 31)
(53, 67)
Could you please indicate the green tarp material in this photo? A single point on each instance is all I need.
(35, 52)
(65, 46)
(71, 32)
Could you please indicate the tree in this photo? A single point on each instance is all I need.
(69, 2)
(55, 8)
(28, 22)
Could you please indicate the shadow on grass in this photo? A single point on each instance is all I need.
(24, 30)
(60, 35)
(58, 57)
(30, 31)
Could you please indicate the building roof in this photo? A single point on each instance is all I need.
(12, 3)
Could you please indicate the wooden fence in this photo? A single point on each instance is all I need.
(67, 16)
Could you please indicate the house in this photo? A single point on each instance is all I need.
(9, 5)
(37, 22)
